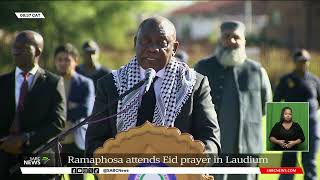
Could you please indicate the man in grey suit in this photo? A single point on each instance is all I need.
(178, 97)
(240, 88)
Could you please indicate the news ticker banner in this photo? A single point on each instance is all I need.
(161, 160)
(159, 164)
(161, 170)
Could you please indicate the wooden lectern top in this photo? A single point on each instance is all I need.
(150, 139)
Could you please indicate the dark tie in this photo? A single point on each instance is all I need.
(23, 93)
(148, 104)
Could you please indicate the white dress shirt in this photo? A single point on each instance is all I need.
(157, 84)
(19, 80)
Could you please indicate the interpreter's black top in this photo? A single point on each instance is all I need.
(293, 133)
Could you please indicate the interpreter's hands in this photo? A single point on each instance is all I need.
(282, 143)
(290, 144)
(11, 144)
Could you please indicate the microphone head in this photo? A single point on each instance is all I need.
(150, 73)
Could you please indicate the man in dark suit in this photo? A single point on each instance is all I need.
(32, 106)
(178, 97)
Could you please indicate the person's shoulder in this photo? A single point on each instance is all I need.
(82, 78)
(6, 79)
(52, 77)
(200, 80)
(106, 79)
(6, 75)
(105, 70)
(253, 64)
(277, 123)
(294, 123)
(84, 81)
(209, 60)
(313, 76)
(207, 65)
(107, 84)
(287, 76)
(199, 76)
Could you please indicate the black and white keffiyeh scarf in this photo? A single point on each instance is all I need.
(176, 88)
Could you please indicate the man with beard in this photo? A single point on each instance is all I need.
(240, 88)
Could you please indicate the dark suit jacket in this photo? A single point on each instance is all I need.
(44, 109)
(97, 74)
(82, 93)
(197, 116)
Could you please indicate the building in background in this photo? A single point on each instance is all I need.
(291, 24)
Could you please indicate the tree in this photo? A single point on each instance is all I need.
(110, 23)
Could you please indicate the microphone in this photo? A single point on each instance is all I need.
(150, 75)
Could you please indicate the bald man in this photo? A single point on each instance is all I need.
(32, 106)
(178, 97)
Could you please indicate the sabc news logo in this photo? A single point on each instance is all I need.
(34, 161)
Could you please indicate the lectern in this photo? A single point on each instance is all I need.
(151, 140)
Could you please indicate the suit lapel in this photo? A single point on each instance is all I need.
(38, 77)
(113, 109)
(73, 87)
(33, 94)
(37, 80)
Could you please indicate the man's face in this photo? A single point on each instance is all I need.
(65, 63)
(302, 66)
(155, 45)
(90, 56)
(231, 39)
(24, 54)
(231, 48)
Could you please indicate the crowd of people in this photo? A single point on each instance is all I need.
(221, 101)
